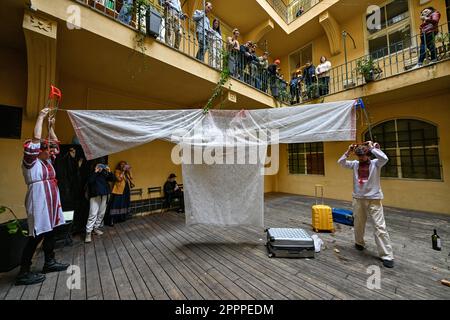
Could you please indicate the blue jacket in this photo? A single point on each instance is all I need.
(98, 183)
(309, 74)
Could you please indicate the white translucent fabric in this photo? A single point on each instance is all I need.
(225, 193)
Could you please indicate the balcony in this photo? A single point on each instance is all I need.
(398, 59)
(244, 67)
(292, 11)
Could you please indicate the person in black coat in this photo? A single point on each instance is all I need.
(172, 191)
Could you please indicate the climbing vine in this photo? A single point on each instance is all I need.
(139, 39)
(224, 77)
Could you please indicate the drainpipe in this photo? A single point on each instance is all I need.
(204, 29)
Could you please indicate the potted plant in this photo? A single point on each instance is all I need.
(444, 39)
(13, 239)
(368, 68)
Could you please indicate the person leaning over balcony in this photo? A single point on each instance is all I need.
(216, 45)
(263, 65)
(173, 15)
(367, 196)
(300, 11)
(233, 48)
(294, 88)
(99, 190)
(126, 11)
(203, 29)
(42, 202)
(273, 77)
(309, 77)
(428, 29)
(323, 74)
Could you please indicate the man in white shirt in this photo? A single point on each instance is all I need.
(173, 16)
(367, 196)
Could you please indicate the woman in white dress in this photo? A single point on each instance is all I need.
(42, 201)
(216, 45)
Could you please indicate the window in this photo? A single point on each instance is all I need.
(394, 33)
(299, 58)
(306, 158)
(447, 5)
(11, 122)
(412, 147)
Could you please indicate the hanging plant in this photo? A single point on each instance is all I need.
(224, 77)
(139, 39)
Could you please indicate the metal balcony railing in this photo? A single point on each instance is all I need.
(180, 34)
(293, 10)
(244, 65)
(390, 61)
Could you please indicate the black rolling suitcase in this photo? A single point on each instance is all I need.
(289, 243)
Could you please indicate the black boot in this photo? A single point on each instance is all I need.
(26, 277)
(52, 266)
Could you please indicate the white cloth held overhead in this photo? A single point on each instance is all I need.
(221, 193)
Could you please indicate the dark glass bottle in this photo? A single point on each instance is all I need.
(436, 241)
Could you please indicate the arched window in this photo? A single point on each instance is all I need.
(412, 147)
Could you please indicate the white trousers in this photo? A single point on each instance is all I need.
(374, 209)
(96, 212)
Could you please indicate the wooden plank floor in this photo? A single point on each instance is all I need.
(159, 257)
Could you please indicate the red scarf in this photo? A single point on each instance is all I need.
(363, 171)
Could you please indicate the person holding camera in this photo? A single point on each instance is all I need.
(120, 198)
(367, 196)
(99, 190)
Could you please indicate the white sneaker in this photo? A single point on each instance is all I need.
(88, 238)
(98, 232)
(417, 66)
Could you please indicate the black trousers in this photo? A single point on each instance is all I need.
(48, 246)
(324, 86)
(176, 195)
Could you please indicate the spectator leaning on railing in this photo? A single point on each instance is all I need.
(428, 29)
(309, 77)
(173, 15)
(233, 47)
(126, 11)
(323, 74)
(216, 45)
(263, 65)
(273, 72)
(203, 29)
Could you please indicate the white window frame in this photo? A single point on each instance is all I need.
(390, 29)
(297, 50)
(306, 160)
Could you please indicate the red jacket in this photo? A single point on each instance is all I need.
(431, 23)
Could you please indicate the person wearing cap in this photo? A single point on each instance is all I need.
(367, 196)
(172, 191)
(42, 202)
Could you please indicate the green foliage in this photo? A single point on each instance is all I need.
(367, 67)
(14, 225)
(443, 37)
(224, 77)
(139, 39)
